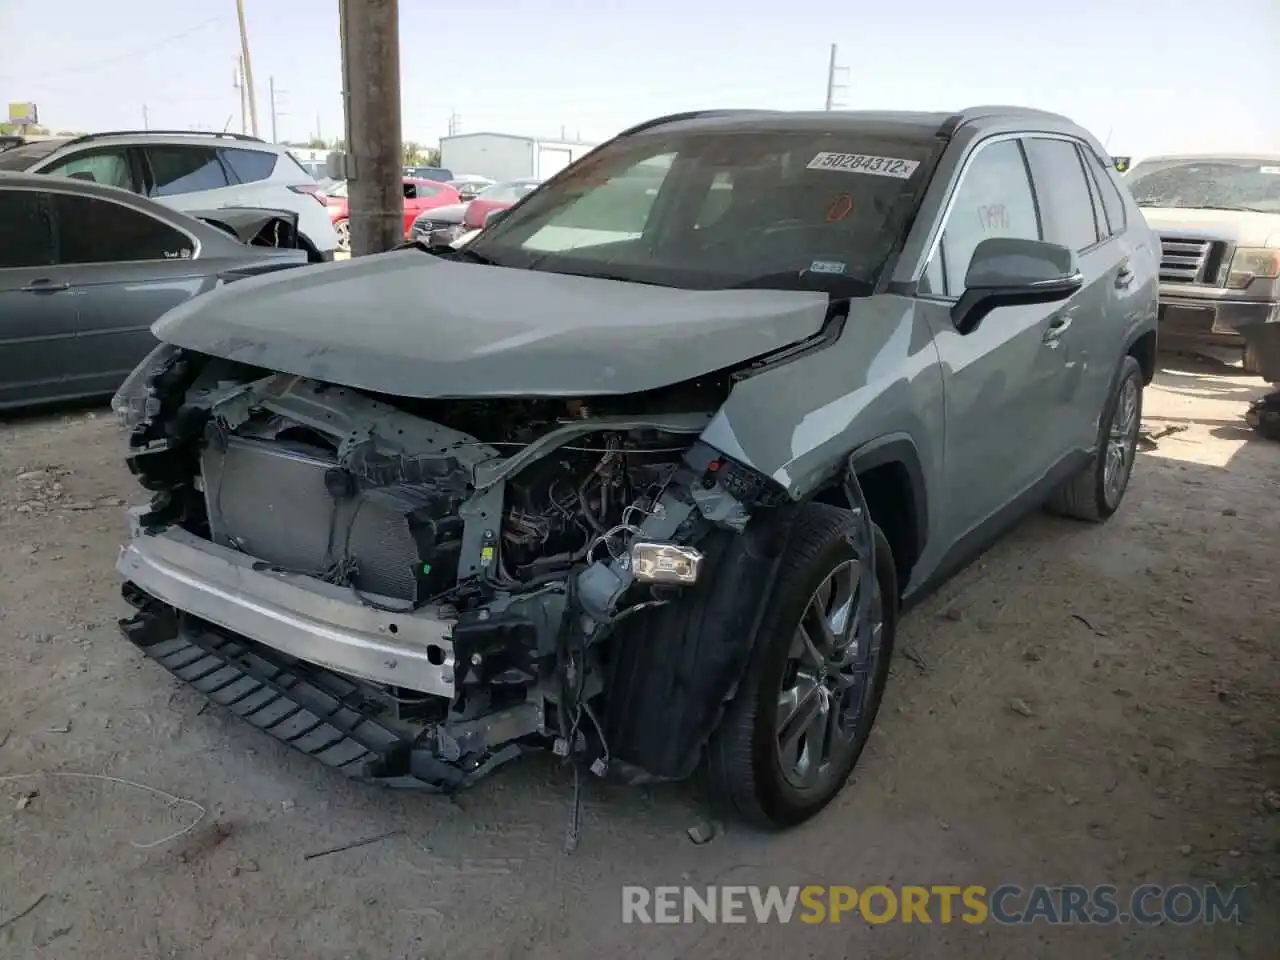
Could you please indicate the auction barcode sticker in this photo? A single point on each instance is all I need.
(862, 163)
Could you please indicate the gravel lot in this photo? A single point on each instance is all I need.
(1083, 705)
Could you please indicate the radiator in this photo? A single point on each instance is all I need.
(269, 500)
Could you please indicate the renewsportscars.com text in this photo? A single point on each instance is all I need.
(1007, 904)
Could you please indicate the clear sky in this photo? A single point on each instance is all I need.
(1154, 77)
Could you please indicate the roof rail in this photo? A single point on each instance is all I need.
(998, 110)
(687, 115)
(86, 137)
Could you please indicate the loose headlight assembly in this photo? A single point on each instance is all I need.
(673, 563)
(136, 400)
(1253, 263)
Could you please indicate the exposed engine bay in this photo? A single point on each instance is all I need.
(449, 576)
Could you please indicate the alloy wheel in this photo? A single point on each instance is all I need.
(828, 681)
(343, 229)
(1122, 442)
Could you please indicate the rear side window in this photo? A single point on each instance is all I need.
(1112, 203)
(249, 166)
(91, 230)
(27, 239)
(1065, 199)
(178, 169)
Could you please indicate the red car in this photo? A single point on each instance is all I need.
(419, 195)
(498, 197)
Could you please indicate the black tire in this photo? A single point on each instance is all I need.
(744, 765)
(1251, 362)
(1085, 496)
(313, 252)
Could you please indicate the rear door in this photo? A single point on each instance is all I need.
(180, 169)
(37, 311)
(125, 268)
(1087, 329)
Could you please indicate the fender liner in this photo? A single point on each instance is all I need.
(676, 668)
(897, 448)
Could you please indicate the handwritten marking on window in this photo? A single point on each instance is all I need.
(993, 217)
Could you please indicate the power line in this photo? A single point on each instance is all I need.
(119, 58)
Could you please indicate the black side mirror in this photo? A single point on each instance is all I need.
(1010, 271)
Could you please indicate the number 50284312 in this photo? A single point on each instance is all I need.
(863, 163)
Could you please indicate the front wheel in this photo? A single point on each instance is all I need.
(343, 229)
(803, 712)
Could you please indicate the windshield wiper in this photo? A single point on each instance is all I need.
(837, 285)
(592, 274)
(467, 254)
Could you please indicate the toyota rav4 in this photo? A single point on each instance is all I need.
(644, 473)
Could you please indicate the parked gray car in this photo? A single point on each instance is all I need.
(645, 472)
(85, 270)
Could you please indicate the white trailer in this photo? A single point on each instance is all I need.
(502, 156)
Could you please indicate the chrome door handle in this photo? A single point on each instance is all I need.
(1057, 327)
(1124, 277)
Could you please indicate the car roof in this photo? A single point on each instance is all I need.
(926, 123)
(204, 137)
(45, 181)
(192, 224)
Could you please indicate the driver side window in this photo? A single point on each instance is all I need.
(994, 199)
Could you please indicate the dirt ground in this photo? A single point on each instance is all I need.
(1082, 705)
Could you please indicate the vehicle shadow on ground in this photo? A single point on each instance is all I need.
(1208, 379)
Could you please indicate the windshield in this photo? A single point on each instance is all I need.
(22, 158)
(507, 192)
(711, 210)
(1213, 184)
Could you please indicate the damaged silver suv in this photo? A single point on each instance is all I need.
(644, 473)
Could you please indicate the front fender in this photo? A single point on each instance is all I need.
(798, 421)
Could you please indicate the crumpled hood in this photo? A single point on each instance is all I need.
(414, 325)
(1243, 228)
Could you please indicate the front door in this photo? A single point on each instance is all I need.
(37, 310)
(125, 268)
(1002, 378)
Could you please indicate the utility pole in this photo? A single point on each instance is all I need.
(832, 86)
(146, 120)
(370, 34)
(247, 70)
(454, 122)
(239, 84)
(275, 110)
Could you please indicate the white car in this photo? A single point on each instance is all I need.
(189, 171)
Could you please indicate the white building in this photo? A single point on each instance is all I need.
(502, 156)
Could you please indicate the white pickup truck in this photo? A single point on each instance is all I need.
(1218, 218)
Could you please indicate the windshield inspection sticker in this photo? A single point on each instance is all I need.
(827, 266)
(862, 163)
